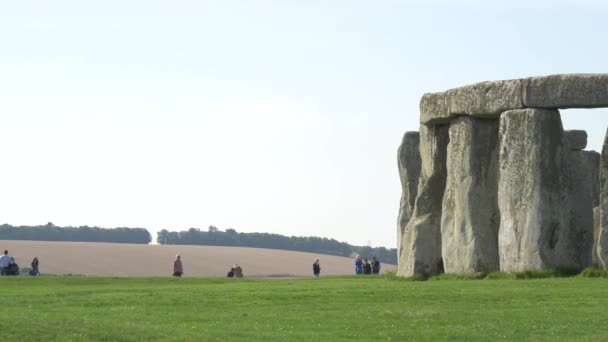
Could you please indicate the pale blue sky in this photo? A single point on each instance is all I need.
(273, 116)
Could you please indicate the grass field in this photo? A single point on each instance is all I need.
(326, 309)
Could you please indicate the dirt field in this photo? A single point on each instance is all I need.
(114, 259)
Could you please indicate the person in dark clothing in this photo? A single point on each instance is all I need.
(13, 268)
(230, 273)
(367, 267)
(316, 268)
(375, 266)
(35, 271)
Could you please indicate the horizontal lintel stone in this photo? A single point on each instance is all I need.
(489, 99)
(566, 91)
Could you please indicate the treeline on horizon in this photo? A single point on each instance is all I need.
(215, 237)
(51, 232)
(194, 236)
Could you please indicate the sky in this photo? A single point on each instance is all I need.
(262, 116)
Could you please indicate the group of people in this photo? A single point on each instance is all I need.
(365, 267)
(8, 266)
(178, 269)
(361, 266)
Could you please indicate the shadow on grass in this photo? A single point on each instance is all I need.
(537, 274)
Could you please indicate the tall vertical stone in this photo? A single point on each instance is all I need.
(596, 235)
(421, 243)
(593, 165)
(470, 216)
(577, 204)
(408, 160)
(537, 223)
(602, 247)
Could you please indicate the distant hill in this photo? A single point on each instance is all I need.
(118, 259)
(194, 236)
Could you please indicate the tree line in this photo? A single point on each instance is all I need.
(215, 237)
(51, 232)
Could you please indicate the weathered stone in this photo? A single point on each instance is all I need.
(470, 217)
(602, 246)
(566, 91)
(408, 159)
(596, 234)
(484, 100)
(421, 243)
(576, 139)
(434, 109)
(577, 204)
(536, 222)
(593, 165)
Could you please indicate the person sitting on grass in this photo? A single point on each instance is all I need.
(178, 268)
(13, 268)
(238, 271)
(367, 267)
(230, 273)
(316, 268)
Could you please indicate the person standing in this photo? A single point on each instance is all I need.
(367, 268)
(178, 268)
(358, 265)
(35, 271)
(5, 262)
(375, 265)
(316, 268)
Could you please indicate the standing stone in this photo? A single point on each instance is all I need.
(576, 139)
(533, 189)
(593, 165)
(408, 158)
(596, 235)
(421, 243)
(602, 248)
(470, 219)
(577, 202)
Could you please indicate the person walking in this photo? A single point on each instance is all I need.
(367, 267)
(375, 265)
(358, 265)
(316, 268)
(5, 262)
(178, 268)
(35, 271)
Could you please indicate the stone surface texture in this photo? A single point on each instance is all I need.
(602, 246)
(485, 99)
(596, 235)
(408, 159)
(576, 139)
(518, 197)
(566, 91)
(470, 217)
(421, 241)
(593, 165)
(577, 204)
(535, 220)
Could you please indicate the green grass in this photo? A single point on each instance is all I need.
(326, 309)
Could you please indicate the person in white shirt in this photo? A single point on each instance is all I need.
(5, 261)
